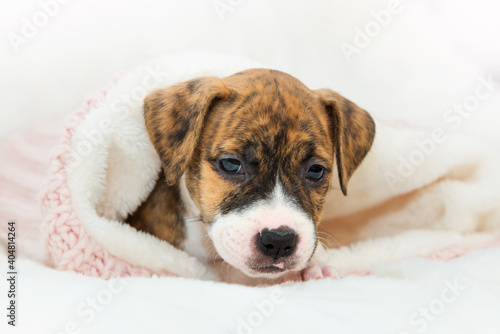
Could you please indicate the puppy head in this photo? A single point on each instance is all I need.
(257, 149)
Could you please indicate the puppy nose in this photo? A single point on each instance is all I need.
(277, 243)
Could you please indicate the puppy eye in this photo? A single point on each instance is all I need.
(231, 166)
(315, 173)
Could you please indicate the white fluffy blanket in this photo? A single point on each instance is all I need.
(407, 296)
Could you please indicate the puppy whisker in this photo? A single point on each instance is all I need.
(329, 240)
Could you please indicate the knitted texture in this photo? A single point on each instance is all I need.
(70, 247)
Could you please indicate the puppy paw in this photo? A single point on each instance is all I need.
(317, 272)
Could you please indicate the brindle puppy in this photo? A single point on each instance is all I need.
(257, 153)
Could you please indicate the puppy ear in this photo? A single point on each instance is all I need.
(174, 119)
(353, 130)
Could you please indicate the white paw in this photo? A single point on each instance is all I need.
(317, 272)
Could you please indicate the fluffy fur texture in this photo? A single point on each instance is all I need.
(395, 289)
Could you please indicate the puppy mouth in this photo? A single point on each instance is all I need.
(240, 241)
(272, 269)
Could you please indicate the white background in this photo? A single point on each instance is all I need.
(426, 59)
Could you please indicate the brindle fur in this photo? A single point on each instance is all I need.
(161, 214)
(271, 121)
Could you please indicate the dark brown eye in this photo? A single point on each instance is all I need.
(315, 173)
(231, 166)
